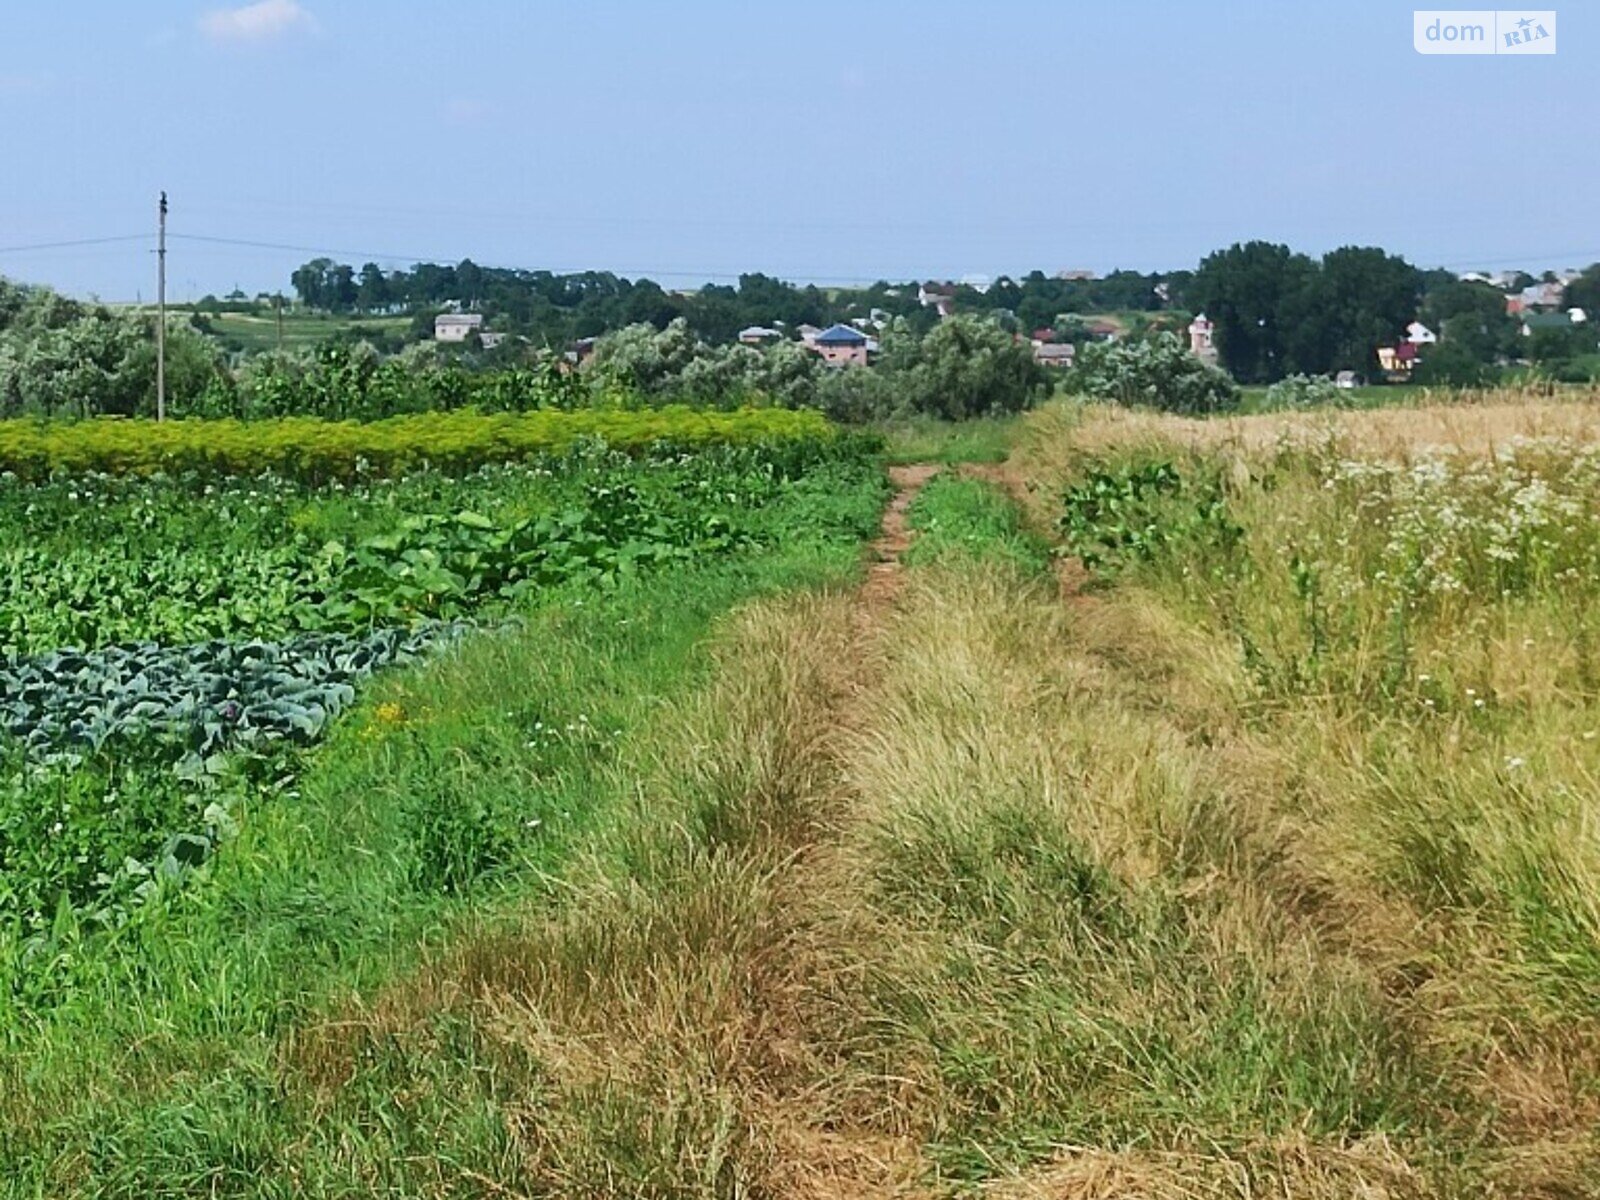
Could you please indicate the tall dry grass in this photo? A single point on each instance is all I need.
(1407, 611)
(1473, 421)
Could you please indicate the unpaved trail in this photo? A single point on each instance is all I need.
(698, 986)
(883, 573)
(823, 1158)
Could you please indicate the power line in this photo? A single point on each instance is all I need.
(101, 241)
(707, 276)
(370, 254)
(1569, 256)
(376, 255)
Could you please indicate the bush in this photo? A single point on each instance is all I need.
(1303, 391)
(62, 358)
(967, 367)
(673, 366)
(1449, 365)
(1160, 373)
(355, 382)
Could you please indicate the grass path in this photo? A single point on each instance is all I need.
(933, 888)
(654, 1030)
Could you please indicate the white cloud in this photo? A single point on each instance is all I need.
(256, 22)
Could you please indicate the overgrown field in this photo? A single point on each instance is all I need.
(1360, 658)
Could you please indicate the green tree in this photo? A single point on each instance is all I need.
(1584, 292)
(1252, 291)
(341, 288)
(1451, 364)
(1472, 317)
(372, 293)
(1159, 373)
(310, 283)
(969, 367)
(1362, 298)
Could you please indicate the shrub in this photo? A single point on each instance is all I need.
(1160, 373)
(1448, 364)
(969, 367)
(1303, 391)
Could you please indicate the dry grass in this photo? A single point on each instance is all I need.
(1475, 425)
(994, 892)
(630, 1030)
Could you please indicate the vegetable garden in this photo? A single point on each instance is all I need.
(186, 608)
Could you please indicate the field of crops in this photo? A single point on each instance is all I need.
(171, 643)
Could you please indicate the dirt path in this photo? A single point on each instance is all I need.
(823, 1158)
(883, 574)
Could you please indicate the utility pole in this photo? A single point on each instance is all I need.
(161, 313)
(277, 303)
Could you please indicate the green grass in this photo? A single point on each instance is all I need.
(970, 518)
(301, 331)
(1253, 397)
(149, 1063)
(929, 439)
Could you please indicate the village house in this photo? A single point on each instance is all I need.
(1534, 321)
(842, 346)
(1202, 343)
(1056, 355)
(455, 327)
(808, 335)
(579, 352)
(758, 335)
(1419, 334)
(941, 296)
(490, 338)
(1543, 295)
(1397, 361)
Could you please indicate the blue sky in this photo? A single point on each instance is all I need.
(695, 140)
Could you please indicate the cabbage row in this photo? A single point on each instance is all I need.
(124, 763)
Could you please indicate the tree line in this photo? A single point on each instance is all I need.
(1278, 312)
(553, 309)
